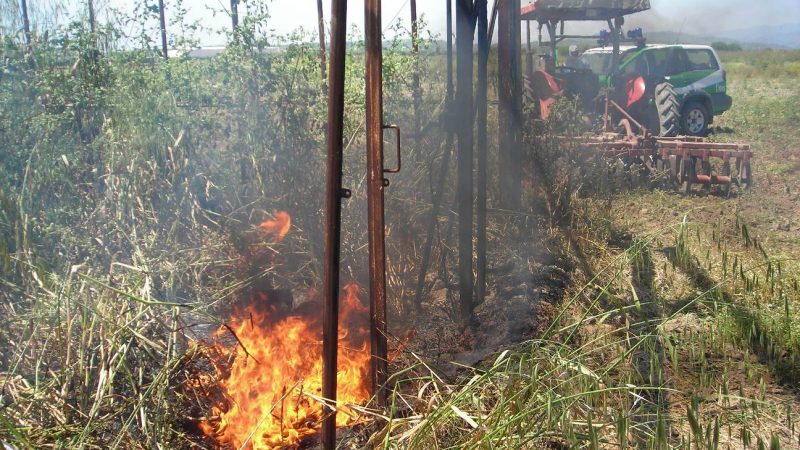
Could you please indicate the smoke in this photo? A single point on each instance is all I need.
(717, 16)
(707, 19)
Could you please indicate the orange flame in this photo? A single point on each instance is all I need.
(278, 227)
(278, 367)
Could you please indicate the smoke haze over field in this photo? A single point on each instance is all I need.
(689, 17)
(705, 17)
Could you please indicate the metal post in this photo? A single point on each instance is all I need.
(465, 28)
(333, 216)
(415, 78)
(439, 193)
(504, 96)
(529, 50)
(376, 184)
(26, 23)
(450, 87)
(553, 32)
(509, 93)
(234, 15)
(322, 65)
(481, 102)
(92, 28)
(493, 20)
(163, 24)
(616, 30)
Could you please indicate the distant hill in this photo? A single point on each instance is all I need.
(779, 37)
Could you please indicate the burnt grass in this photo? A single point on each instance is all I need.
(528, 274)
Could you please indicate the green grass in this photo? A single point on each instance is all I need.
(657, 381)
(762, 64)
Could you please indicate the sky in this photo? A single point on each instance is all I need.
(698, 17)
(692, 16)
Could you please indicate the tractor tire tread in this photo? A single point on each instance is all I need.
(668, 111)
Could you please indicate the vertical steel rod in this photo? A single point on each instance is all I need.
(438, 195)
(375, 196)
(322, 64)
(493, 20)
(234, 15)
(333, 216)
(92, 21)
(26, 23)
(529, 70)
(481, 102)
(415, 78)
(465, 29)
(509, 92)
(504, 97)
(450, 87)
(162, 20)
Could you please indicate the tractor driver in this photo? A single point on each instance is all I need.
(574, 60)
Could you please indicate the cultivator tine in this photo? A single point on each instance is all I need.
(673, 158)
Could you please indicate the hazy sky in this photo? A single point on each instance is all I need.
(688, 16)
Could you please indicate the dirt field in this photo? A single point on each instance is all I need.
(749, 318)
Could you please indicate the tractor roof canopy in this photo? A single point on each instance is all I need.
(557, 10)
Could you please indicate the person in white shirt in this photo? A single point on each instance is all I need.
(574, 60)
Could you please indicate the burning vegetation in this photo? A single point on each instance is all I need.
(272, 388)
(269, 377)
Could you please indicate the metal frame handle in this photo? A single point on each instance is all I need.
(396, 128)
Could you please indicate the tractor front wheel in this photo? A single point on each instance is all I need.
(695, 119)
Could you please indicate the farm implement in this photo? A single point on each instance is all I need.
(683, 161)
(634, 108)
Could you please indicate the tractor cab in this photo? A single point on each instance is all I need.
(602, 87)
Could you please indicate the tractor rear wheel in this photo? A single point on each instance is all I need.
(667, 110)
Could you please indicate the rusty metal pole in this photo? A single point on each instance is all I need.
(163, 26)
(482, 105)
(322, 65)
(376, 183)
(334, 192)
(465, 29)
(509, 93)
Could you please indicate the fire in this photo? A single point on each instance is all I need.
(278, 227)
(277, 368)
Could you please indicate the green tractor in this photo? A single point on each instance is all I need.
(695, 71)
(642, 96)
(635, 97)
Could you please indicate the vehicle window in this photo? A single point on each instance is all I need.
(638, 65)
(658, 62)
(702, 59)
(677, 61)
(599, 63)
